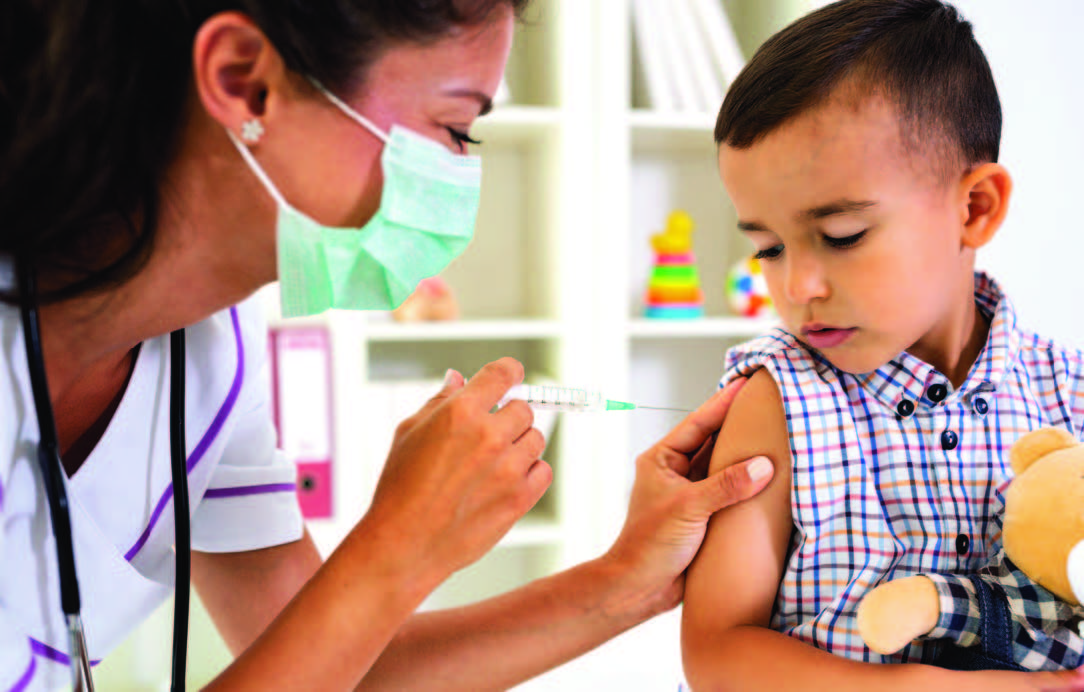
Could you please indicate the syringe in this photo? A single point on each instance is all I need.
(570, 400)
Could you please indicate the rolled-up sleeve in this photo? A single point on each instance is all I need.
(960, 617)
(251, 501)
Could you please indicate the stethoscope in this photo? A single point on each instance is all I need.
(52, 478)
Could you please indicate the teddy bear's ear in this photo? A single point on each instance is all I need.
(1036, 445)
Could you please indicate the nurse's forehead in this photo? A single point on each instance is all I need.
(469, 57)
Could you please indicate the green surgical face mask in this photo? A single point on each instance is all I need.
(426, 219)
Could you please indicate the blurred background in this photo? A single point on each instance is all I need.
(603, 131)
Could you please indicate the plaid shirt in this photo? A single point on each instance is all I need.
(1044, 628)
(895, 472)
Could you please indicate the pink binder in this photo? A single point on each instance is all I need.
(301, 391)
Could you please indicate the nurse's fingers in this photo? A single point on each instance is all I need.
(530, 445)
(701, 461)
(690, 434)
(492, 382)
(514, 419)
(539, 478)
(453, 382)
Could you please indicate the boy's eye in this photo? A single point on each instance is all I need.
(769, 253)
(461, 139)
(845, 242)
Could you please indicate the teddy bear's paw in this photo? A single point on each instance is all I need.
(895, 613)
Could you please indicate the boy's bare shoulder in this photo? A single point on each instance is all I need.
(756, 424)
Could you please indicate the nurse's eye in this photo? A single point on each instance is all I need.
(845, 242)
(461, 139)
(769, 253)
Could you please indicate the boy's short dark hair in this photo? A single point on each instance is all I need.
(920, 53)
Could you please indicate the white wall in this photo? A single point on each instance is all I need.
(1033, 49)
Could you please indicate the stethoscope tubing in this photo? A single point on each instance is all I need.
(57, 497)
(182, 523)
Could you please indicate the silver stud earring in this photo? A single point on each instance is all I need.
(251, 131)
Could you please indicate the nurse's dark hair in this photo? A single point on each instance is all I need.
(93, 97)
(919, 54)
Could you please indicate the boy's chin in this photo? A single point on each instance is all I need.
(854, 361)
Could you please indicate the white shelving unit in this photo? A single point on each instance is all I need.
(577, 174)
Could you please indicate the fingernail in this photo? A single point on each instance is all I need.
(733, 385)
(448, 377)
(760, 468)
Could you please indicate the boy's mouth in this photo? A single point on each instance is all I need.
(823, 336)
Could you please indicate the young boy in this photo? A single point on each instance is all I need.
(859, 147)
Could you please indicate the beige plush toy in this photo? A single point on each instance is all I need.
(433, 300)
(1018, 612)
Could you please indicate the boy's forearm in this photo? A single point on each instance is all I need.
(755, 658)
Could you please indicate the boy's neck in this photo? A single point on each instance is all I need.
(953, 346)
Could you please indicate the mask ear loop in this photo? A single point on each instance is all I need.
(350, 112)
(258, 170)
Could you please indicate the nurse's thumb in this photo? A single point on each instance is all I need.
(453, 380)
(733, 484)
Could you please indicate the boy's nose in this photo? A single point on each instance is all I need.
(805, 280)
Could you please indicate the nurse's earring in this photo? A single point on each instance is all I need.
(251, 131)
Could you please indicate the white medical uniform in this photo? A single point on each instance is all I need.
(241, 489)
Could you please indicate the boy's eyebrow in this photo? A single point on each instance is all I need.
(751, 226)
(842, 206)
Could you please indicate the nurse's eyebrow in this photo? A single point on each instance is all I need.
(483, 100)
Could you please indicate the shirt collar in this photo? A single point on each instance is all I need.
(909, 379)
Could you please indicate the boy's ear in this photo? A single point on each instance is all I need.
(984, 201)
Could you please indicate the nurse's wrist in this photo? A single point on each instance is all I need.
(625, 599)
(395, 558)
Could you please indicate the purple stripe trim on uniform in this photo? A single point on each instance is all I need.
(46, 651)
(250, 490)
(1, 497)
(24, 681)
(206, 441)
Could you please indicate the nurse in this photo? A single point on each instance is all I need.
(160, 162)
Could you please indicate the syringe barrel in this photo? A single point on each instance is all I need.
(549, 398)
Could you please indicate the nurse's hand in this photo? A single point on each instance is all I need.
(670, 506)
(458, 476)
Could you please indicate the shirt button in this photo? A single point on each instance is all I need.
(937, 393)
(949, 440)
(905, 408)
(963, 544)
(980, 406)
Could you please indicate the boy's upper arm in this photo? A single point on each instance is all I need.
(736, 574)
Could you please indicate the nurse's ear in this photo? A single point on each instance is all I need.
(235, 67)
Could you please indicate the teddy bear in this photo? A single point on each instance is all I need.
(1019, 612)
